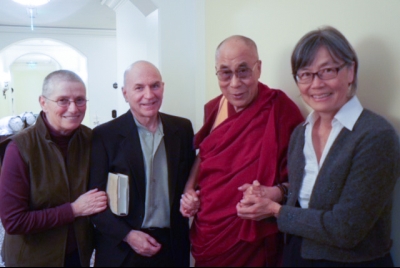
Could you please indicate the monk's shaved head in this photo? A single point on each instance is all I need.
(139, 66)
(237, 40)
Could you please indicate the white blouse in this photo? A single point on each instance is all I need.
(346, 117)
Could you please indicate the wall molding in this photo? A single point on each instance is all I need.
(51, 30)
(113, 4)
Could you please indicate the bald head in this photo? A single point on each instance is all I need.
(238, 69)
(237, 41)
(139, 67)
(143, 89)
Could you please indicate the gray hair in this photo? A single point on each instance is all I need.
(248, 42)
(58, 76)
(334, 41)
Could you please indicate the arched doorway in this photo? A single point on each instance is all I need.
(27, 75)
(25, 64)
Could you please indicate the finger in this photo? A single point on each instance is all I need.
(153, 251)
(246, 203)
(244, 212)
(187, 200)
(192, 196)
(153, 242)
(186, 207)
(97, 194)
(185, 214)
(244, 187)
(92, 191)
(101, 199)
(249, 199)
(256, 183)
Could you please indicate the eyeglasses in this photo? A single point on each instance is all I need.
(226, 75)
(79, 102)
(323, 74)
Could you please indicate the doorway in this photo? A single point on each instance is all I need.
(25, 64)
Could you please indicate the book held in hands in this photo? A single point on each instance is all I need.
(118, 194)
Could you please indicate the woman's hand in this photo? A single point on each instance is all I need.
(90, 203)
(190, 203)
(257, 208)
(258, 202)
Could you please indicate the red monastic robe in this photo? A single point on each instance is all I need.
(247, 146)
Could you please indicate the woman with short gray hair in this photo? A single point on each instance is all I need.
(343, 165)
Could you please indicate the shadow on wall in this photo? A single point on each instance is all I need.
(287, 83)
(377, 91)
(377, 78)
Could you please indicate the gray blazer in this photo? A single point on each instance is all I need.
(349, 215)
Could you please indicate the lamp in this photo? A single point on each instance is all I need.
(5, 80)
(32, 3)
(31, 7)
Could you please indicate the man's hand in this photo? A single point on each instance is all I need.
(258, 190)
(142, 243)
(190, 203)
(257, 208)
(255, 189)
(90, 203)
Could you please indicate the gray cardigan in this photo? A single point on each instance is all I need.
(349, 215)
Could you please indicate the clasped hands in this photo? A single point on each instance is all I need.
(190, 203)
(259, 202)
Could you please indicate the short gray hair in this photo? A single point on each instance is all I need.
(249, 42)
(57, 76)
(334, 41)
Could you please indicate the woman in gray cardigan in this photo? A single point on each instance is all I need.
(343, 165)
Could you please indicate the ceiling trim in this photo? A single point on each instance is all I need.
(50, 30)
(113, 4)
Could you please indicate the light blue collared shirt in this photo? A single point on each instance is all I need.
(157, 206)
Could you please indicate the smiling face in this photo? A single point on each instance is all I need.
(234, 55)
(144, 91)
(326, 97)
(64, 120)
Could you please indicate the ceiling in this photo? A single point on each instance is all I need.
(85, 14)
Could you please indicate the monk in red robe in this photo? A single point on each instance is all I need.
(244, 139)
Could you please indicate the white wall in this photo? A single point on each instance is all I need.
(182, 54)
(171, 37)
(131, 44)
(100, 49)
(371, 26)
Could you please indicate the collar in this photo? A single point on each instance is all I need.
(159, 130)
(347, 115)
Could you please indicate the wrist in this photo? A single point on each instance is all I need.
(74, 208)
(276, 210)
(283, 193)
(126, 238)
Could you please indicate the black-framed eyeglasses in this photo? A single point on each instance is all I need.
(244, 72)
(306, 77)
(64, 102)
